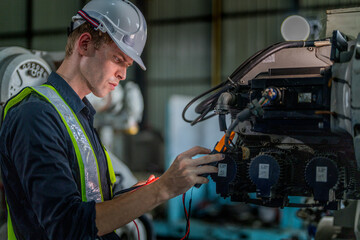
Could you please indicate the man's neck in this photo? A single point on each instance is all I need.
(69, 71)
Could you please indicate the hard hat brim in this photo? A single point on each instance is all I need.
(130, 53)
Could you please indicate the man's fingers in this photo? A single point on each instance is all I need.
(202, 180)
(206, 169)
(194, 151)
(207, 159)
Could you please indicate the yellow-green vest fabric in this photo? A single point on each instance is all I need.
(86, 158)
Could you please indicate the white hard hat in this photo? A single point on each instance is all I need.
(122, 20)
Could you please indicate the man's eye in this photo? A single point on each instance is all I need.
(116, 59)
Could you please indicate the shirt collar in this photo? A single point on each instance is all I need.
(69, 95)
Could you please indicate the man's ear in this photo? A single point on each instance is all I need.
(84, 44)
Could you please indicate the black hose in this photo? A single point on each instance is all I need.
(240, 117)
(203, 116)
(222, 122)
(201, 106)
(197, 98)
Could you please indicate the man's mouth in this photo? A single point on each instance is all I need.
(113, 85)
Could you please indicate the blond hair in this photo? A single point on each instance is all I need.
(98, 37)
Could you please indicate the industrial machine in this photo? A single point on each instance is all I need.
(294, 112)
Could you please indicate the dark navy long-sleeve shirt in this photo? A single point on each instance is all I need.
(40, 170)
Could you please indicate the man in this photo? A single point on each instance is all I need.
(57, 176)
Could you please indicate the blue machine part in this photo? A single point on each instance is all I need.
(264, 172)
(321, 174)
(226, 174)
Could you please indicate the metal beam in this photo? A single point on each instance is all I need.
(29, 23)
(140, 76)
(15, 35)
(171, 21)
(216, 42)
(247, 14)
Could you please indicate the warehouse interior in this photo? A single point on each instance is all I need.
(191, 47)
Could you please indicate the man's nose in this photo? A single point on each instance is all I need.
(121, 73)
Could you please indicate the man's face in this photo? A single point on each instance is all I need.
(104, 69)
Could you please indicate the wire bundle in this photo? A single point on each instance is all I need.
(269, 95)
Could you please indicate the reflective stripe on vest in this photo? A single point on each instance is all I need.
(88, 166)
(89, 170)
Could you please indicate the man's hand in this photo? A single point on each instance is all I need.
(185, 171)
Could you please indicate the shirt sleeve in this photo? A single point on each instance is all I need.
(39, 149)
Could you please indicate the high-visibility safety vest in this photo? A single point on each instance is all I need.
(86, 158)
